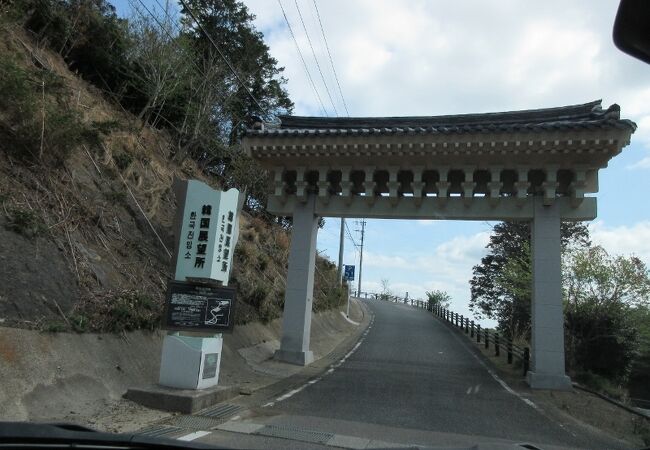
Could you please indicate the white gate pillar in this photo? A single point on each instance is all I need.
(547, 317)
(296, 318)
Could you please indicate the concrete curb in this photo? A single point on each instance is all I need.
(185, 401)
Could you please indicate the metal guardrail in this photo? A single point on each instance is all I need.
(473, 330)
(394, 299)
(488, 337)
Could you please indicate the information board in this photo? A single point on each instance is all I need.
(197, 307)
(208, 228)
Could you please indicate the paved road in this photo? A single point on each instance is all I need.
(413, 379)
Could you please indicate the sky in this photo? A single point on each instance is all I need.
(417, 57)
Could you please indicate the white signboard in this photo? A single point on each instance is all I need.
(208, 233)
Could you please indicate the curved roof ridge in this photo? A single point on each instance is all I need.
(585, 111)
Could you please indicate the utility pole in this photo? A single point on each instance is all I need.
(363, 232)
(341, 241)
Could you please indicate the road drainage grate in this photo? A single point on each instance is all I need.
(296, 434)
(195, 422)
(157, 430)
(220, 411)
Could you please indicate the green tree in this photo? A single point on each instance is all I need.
(498, 285)
(438, 298)
(89, 35)
(515, 282)
(230, 25)
(603, 297)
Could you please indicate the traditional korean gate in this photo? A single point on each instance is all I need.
(534, 165)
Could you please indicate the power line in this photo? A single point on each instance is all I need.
(174, 41)
(230, 66)
(331, 59)
(311, 81)
(304, 27)
(350, 235)
(178, 30)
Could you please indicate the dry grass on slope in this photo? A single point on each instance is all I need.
(86, 209)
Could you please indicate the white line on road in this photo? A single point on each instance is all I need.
(493, 374)
(290, 393)
(315, 380)
(192, 436)
(469, 390)
(503, 384)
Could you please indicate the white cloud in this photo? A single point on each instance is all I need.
(424, 58)
(372, 259)
(448, 268)
(420, 57)
(641, 164)
(462, 249)
(623, 240)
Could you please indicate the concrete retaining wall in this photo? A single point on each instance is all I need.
(63, 376)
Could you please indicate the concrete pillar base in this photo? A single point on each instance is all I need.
(297, 358)
(548, 381)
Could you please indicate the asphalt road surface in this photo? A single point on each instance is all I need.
(412, 379)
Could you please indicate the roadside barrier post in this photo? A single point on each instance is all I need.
(487, 339)
(471, 333)
(509, 352)
(478, 333)
(496, 344)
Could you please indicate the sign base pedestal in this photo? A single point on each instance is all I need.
(189, 362)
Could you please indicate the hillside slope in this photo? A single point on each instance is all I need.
(86, 209)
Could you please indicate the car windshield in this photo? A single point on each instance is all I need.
(323, 223)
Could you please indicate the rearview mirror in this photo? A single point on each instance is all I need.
(632, 28)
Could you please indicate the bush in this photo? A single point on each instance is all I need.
(133, 311)
(125, 310)
(123, 160)
(601, 341)
(328, 294)
(116, 197)
(602, 336)
(87, 33)
(55, 327)
(601, 384)
(25, 222)
(78, 323)
(27, 116)
(438, 298)
(106, 126)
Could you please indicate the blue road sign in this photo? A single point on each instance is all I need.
(348, 272)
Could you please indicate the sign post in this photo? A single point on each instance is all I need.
(199, 305)
(348, 275)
